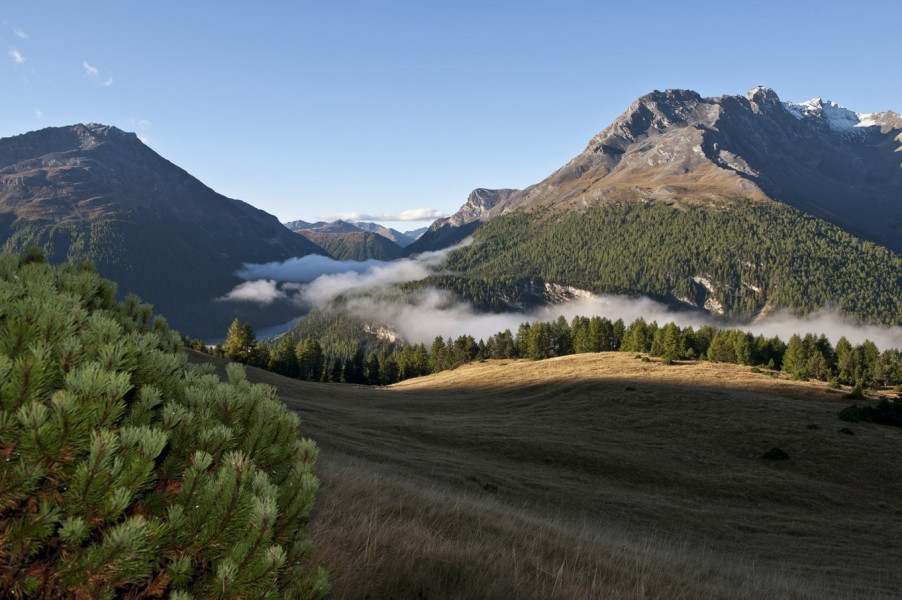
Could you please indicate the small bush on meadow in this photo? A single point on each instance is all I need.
(775, 454)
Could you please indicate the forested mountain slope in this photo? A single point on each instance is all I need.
(737, 262)
(355, 245)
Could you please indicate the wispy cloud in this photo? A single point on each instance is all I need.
(38, 113)
(16, 56)
(93, 73)
(90, 71)
(416, 214)
(314, 279)
(20, 34)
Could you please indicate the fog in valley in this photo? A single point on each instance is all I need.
(418, 317)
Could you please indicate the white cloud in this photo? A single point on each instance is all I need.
(38, 113)
(416, 214)
(144, 124)
(429, 312)
(16, 56)
(94, 74)
(420, 214)
(20, 34)
(313, 279)
(90, 71)
(263, 291)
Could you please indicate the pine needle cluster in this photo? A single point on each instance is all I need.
(127, 473)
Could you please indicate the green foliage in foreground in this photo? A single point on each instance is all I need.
(127, 473)
(752, 253)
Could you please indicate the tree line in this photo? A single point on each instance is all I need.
(330, 359)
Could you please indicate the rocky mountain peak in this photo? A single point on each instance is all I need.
(478, 202)
(761, 94)
(65, 146)
(676, 146)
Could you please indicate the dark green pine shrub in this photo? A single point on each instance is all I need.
(775, 454)
(125, 472)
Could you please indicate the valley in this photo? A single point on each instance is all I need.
(451, 301)
(615, 475)
(598, 475)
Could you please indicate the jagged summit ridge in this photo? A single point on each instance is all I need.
(837, 117)
(678, 147)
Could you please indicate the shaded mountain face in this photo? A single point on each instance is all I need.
(677, 147)
(354, 245)
(96, 192)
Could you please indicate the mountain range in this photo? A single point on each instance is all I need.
(96, 192)
(402, 239)
(357, 240)
(735, 205)
(678, 147)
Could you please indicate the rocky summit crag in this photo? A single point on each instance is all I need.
(678, 147)
(96, 192)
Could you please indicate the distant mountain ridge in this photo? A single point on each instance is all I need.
(678, 147)
(355, 245)
(341, 226)
(96, 192)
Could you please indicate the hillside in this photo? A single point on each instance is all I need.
(354, 245)
(96, 192)
(739, 263)
(676, 146)
(596, 476)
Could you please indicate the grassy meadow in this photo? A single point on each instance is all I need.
(599, 476)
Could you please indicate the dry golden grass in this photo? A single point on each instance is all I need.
(600, 476)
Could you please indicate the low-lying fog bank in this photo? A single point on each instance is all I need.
(420, 316)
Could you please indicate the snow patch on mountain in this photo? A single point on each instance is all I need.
(838, 118)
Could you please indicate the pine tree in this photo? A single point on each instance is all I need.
(310, 360)
(128, 473)
(437, 358)
(670, 343)
(845, 361)
(795, 359)
(283, 359)
(240, 342)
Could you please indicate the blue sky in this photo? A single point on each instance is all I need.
(309, 110)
